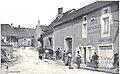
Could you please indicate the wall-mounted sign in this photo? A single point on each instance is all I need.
(94, 32)
(92, 29)
(106, 40)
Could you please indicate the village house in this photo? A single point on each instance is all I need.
(48, 37)
(17, 36)
(38, 32)
(93, 28)
(49, 33)
(25, 36)
(8, 34)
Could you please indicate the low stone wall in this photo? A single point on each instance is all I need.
(7, 52)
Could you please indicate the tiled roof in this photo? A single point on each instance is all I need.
(49, 29)
(30, 31)
(73, 14)
(24, 32)
(43, 27)
(84, 10)
(7, 30)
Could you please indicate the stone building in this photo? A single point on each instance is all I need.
(38, 32)
(49, 33)
(93, 28)
(25, 36)
(17, 36)
(8, 34)
(6, 52)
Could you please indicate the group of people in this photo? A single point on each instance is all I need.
(46, 53)
(67, 59)
(49, 54)
(58, 54)
(66, 56)
(94, 60)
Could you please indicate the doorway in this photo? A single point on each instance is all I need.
(105, 56)
(86, 53)
(69, 43)
(84, 48)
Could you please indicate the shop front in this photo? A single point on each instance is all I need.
(86, 53)
(105, 53)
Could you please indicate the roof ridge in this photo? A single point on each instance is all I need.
(84, 10)
(23, 27)
(69, 11)
(28, 32)
(6, 29)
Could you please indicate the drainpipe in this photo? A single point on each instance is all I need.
(53, 40)
(73, 50)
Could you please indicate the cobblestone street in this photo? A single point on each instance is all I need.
(29, 63)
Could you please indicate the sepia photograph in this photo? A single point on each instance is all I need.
(59, 36)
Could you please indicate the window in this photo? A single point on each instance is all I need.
(84, 27)
(105, 26)
(105, 11)
(84, 30)
(84, 18)
(50, 41)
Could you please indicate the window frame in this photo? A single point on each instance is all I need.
(85, 16)
(50, 41)
(105, 9)
(107, 15)
(83, 31)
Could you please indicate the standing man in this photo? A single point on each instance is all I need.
(70, 60)
(57, 54)
(51, 53)
(60, 54)
(41, 52)
(78, 58)
(116, 64)
(66, 59)
(64, 56)
(95, 60)
(40, 56)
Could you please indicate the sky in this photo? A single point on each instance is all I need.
(26, 13)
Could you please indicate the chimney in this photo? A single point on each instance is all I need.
(18, 26)
(38, 22)
(11, 25)
(60, 10)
